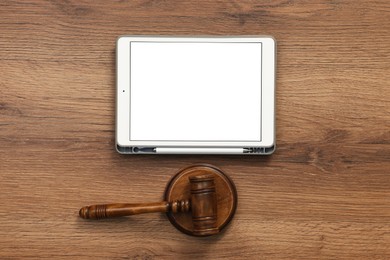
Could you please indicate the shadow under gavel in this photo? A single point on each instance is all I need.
(202, 205)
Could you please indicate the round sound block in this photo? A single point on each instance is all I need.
(179, 189)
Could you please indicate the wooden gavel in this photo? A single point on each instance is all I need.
(202, 204)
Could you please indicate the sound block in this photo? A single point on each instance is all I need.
(179, 189)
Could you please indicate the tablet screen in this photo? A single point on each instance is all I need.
(195, 91)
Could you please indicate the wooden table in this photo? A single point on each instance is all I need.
(325, 193)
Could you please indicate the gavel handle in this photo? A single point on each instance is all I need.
(127, 209)
(120, 210)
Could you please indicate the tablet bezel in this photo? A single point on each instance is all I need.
(123, 93)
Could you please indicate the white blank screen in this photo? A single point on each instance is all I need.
(195, 91)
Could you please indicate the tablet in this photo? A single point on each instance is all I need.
(196, 95)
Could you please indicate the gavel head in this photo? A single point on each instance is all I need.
(212, 195)
(203, 205)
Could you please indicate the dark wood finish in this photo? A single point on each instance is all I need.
(324, 194)
(203, 205)
(196, 184)
(127, 209)
(192, 182)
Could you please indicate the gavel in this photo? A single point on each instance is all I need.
(202, 204)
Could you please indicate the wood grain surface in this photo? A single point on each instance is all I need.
(325, 193)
